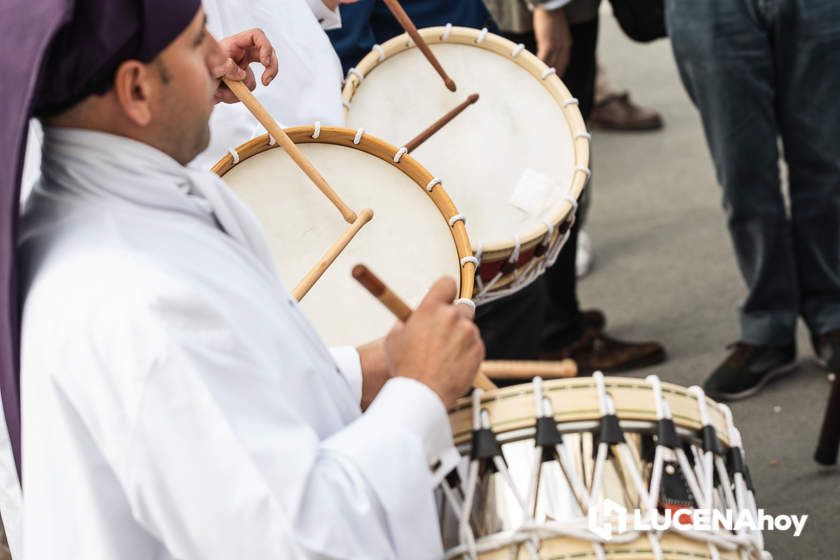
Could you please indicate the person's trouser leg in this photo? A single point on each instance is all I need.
(724, 52)
(510, 327)
(563, 320)
(807, 39)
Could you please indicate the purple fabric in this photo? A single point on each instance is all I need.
(25, 29)
(85, 54)
(77, 44)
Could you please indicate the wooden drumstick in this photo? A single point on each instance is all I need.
(415, 142)
(241, 91)
(332, 253)
(515, 369)
(401, 311)
(418, 39)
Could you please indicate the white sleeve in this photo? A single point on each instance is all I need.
(350, 365)
(221, 462)
(329, 19)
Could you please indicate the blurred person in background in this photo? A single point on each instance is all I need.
(758, 72)
(564, 34)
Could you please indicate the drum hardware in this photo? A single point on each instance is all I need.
(241, 91)
(401, 310)
(409, 27)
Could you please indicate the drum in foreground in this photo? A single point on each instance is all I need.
(547, 465)
(514, 163)
(415, 237)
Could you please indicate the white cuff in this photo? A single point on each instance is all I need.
(328, 19)
(416, 408)
(350, 365)
(549, 5)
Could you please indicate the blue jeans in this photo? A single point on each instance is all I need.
(760, 71)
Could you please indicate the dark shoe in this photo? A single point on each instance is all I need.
(593, 320)
(617, 112)
(595, 351)
(747, 369)
(827, 349)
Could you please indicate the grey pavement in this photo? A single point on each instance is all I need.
(665, 270)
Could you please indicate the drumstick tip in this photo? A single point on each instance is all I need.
(366, 214)
(472, 98)
(450, 84)
(367, 279)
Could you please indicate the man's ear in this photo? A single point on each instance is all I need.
(133, 88)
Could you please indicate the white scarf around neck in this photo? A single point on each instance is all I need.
(102, 165)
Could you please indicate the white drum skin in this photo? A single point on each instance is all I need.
(408, 243)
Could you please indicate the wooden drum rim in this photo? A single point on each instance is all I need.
(537, 68)
(519, 415)
(382, 150)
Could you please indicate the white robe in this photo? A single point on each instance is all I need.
(175, 401)
(308, 86)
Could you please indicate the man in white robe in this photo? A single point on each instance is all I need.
(175, 402)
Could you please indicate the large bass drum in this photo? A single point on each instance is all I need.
(548, 465)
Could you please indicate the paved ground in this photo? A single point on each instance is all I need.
(665, 271)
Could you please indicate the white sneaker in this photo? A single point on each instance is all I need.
(585, 257)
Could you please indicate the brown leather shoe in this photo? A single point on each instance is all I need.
(596, 351)
(593, 320)
(618, 112)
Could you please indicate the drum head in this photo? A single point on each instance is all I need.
(408, 244)
(508, 160)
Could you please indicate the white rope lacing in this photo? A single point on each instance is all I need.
(446, 31)
(317, 132)
(400, 153)
(481, 36)
(431, 184)
(457, 218)
(465, 301)
(234, 154)
(353, 72)
(708, 456)
(535, 267)
(358, 137)
(517, 50)
(380, 52)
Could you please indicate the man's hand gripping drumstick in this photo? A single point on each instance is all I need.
(237, 81)
(244, 94)
(437, 344)
(411, 29)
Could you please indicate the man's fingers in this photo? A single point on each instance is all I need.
(231, 71)
(443, 290)
(249, 79)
